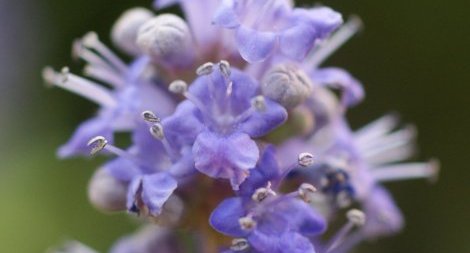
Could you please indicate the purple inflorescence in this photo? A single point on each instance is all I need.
(211, 103)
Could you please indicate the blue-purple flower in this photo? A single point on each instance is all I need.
(221, 116)
(263, 27)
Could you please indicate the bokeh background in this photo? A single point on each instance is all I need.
(413, 58)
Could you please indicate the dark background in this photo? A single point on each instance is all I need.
(413, 58)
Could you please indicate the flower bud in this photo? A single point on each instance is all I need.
(166, 39)
(124, 31)
(286, 85)
(107, 193)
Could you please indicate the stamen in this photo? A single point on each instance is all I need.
(91, 40)
(79, 51)
(263, 193)
(104, 75)
(306, 192)
(407, 171)
(205, 69)
(349, 29)
(355, 218)
(80, 86)
(157, 131)
(97, 144)
(239, 244)
(376, 129)
(178, 87)
(247, 223)
(305, 159)
(259, 103)
(224, 67)
(149, 116)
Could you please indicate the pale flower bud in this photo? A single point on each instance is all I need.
(286, 85)
(124, 31)
(166, 39)
(107, 193)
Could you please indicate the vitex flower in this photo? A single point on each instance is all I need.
(221, 116)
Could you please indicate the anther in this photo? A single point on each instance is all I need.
(157, 131)
(224, 67)
(239, 244)
(97, 144)
(259, 103)
(205, 69)
(263, 193)
(149, 116)
(305, 192)
(305, 159)
(178, 87)
(357, 217)
(247, 223)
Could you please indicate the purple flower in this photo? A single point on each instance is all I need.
(131, 93)
(150, 168)
(223, 115)
(262, 27)
(276, 224)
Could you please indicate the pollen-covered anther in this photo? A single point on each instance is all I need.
(259, 103)
(224, 67)
(239, 244)
(247, 223)
(124, 31)
(357, 217)
(157, 131)
(178, 87)
(262, 193)
(305, 159)
(306, 192)
(286, 85)
(97, 144)
(149, 116)
(205, 69)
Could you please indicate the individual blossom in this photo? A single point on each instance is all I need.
(264, 27)
(130, 91)
(148, 172)
(221, 116)
(264, 220)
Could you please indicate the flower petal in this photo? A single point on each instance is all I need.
(295, 243)
(253, 45)
(261, 123)
(150, 192)
(225, 217)
(266, 170)
(122, 169)
(225, 15)
(324, 19)
(227, 157)
(183, 126)
(352, 89)
(297, 41)
(383, 216)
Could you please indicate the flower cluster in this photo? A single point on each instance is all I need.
(237, 134)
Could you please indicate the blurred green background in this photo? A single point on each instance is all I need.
(413, 58)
